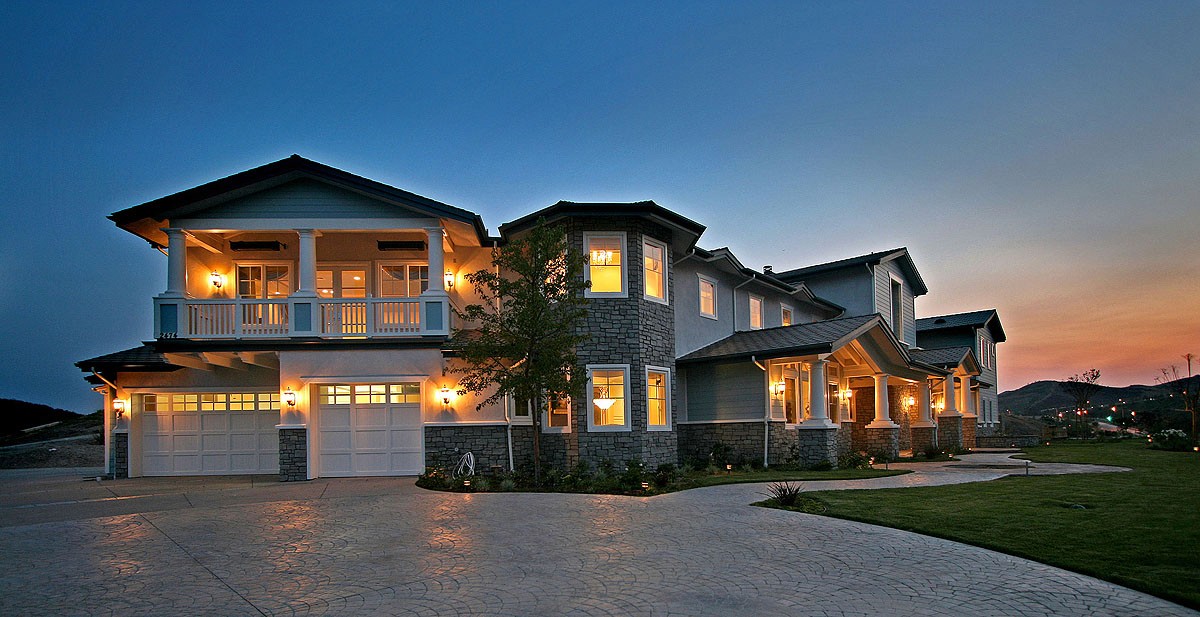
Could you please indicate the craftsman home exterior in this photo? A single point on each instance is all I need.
(303, 325)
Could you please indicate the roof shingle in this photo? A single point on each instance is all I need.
(810, 337)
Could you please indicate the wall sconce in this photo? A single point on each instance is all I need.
(449, 280)
(446, 394)
(778, 388)
(602, 401)
(909, 401)
(217, 279)
(289, 397)
(119, 407)
(846, 394)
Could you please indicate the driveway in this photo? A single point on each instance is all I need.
(253, 546)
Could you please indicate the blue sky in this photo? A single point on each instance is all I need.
(1041, 158)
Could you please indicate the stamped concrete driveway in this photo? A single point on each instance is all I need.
(251, 546)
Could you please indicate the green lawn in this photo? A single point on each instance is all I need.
(697, 480)
(1140, 529)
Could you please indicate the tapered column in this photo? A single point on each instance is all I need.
(307, 285)
(818, 416)
(924, 414)
(883, 417)
(437, 262)
(949, 397)
(176, 264)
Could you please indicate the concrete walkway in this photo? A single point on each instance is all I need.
(252, 546)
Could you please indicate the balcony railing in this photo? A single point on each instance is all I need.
(224, 318)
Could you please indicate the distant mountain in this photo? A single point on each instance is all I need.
(1043, 397)
(16, 416)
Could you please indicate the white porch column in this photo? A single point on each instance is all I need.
(818, 416)
(176, 264)
(924, 414)
(965, 392)
(949, 397)
(306, 286)
(883, 417)
(437, 262)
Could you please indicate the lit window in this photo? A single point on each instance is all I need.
(403, 280)
(654, 255)
(785, 315)
(756, 313)
(559, 417)
(708, 298)
(264, 280)
(606, 268)
(607, 389)
(658, 386)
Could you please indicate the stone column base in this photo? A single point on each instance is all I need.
(968, 432)
(883, 441)
(120, 455)
(923, 437)
(817, 446)
(950, 432)
(293, 454)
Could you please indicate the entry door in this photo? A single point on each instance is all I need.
(371, 430)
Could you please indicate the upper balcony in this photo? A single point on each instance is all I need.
(296, 249)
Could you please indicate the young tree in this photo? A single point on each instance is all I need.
(1081, 388)
(1184, 387)
(527, 326)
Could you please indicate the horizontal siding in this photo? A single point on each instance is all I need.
(305, 199)
(731, 391)
(883, 298)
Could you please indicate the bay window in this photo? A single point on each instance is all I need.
(658, 398)
(606, 266)
(608, 392)
(654, 270)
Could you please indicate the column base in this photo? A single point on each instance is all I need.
(883, 441)
(817, 447)
(120, 455)
(923, 437)
(817, 423)
(883, 424)
(950, 432)
(293, 454)
(968, 432)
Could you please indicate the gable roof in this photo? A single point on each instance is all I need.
(280, 172)
(987, 318)
(947, 357)
(723, 254)
(816, 337)
(900, 255)
(685, 230)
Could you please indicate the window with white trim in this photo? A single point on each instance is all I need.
(208, 401)
(608, 393)
(654, 270)
(756, 312)
(898, 309)
(708, 297)
(558, 416)
(785, 315)
(369, 394)
(606, 264)
(658, 398)
(402, 280)
(264, 280)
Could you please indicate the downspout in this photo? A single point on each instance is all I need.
(508, 428)
(766, 414)
(686, 255)
(735, 302)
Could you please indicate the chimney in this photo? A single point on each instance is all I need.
(768, 269)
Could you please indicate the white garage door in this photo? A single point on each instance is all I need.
(209, 433)
(371, 430)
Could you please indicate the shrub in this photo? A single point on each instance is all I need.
(632, 478)
(606, 467)
(785, 493)
(434, 478)
(854, 460)
(1171, 439)
(508, 484)
(822, 466)
(931, 451)
(665, 475)
(721, 454)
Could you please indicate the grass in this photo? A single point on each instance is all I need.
(1140, 529)
(699, 479)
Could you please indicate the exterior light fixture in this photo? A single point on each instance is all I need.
(728, 468)
(445, 392)
(217, 279)
(466, 483)
(449, 280)
(846, 394)
(909, 401)
(645, 486)
(289, 397)
(603, 401)
(778, 388)
(119, 407)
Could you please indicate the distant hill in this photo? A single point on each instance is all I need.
(16, 416)
(1047, 397)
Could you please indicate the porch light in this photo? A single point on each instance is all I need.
(289, 397)
(445, 392)
(846, 394)
(603, 401)
(119, 407)
(449, 280)
(778, 388)
(217, 279)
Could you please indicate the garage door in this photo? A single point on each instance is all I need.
(209, 433)
(371, 430)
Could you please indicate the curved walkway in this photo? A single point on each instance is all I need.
(237, 546)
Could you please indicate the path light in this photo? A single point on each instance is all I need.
(289, 397)
(645, 486)
(466, 484)
(729, 468)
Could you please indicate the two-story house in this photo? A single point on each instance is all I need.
(979, 332)
(302, 331)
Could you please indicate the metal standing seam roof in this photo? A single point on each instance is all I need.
(810, 337)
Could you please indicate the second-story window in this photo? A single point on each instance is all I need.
(785, 315)
(264, 280)
(398, 280)
(606, 264)
(654, 257)
(708, 297)
(898, 309)
(756, 312)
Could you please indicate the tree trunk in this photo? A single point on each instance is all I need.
(536, 414)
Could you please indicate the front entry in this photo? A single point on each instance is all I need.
(370, 430)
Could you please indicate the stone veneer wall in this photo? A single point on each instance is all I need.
(950, 431)
(745, 440)
(883, 442)
(445, 446)
(293, 454)
(968, 432)
(120, 455)
(845, 444)
(1007, 441)
(816, 446)
(985, 431)
(923, 437)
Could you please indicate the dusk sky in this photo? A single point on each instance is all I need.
(1039, 158)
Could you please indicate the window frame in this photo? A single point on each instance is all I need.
(592, 427)
(791, 315)
(700, 281)
(546, 428)
(662, 246)
(761, 313)
(262, 266)
(666, 373)
(896, 307)
(377, 275)
(588, 236)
